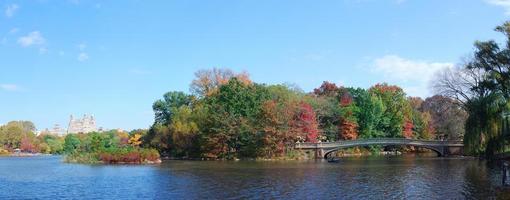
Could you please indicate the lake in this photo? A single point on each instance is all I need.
(399, 177)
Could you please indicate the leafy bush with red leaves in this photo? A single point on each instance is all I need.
(135, 156)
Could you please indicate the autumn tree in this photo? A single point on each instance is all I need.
(27, 145)
(327, 89)
(369, 113)
(12, 134)
(135, 140)
(207, 82)
(233, 116)
(277, 119)
(397, 109)
(305, 123)
(420, 120)
(184, 132)
(348, 121)
(447, 117)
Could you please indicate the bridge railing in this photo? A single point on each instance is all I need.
(376, 141)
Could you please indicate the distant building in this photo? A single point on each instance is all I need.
(86, 124)
(56, 130)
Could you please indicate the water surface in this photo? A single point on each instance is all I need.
(401, 177)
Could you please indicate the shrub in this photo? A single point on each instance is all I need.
(150, 155)
(128, 155)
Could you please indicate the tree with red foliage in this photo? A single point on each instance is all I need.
(27, 145)
(407, 130)
(348, 129)
(277, 120)
(306, 123)
(348, 126)
(345, 99)
(326, 89)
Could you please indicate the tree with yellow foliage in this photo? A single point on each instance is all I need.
(135, 140)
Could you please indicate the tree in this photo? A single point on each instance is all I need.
(276, 119)
(12, 134)
(56, 146)
(184, 131)
(408, 129)
(369, 113)
(233, 119)
(327, 89)
(306, 123)
(27, 145)
(71, 144)
(328, 113)
(447, 115)
(397, 109)
(159, 137)
(208, 82)
(420, 122)
(348, 121)
(165, 108)
(135, 140)
(482, 86)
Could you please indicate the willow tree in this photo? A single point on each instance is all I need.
(482, 86)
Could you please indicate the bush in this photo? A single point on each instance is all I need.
(128, 155)
(150, 155)
(4, 152)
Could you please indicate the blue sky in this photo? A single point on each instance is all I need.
(113, 59)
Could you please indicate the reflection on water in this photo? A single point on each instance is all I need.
(402, 177)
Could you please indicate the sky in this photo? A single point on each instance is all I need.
(113, 59)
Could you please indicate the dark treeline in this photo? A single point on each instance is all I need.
(229, 116)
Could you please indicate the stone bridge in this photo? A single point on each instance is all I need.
(442, 148)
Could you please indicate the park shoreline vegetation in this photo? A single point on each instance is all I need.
(112, 147)
(227, 116)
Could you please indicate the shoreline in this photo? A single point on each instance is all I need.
(157, 162)
(21, 155)
(346, 155)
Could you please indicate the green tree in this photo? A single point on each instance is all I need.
(184, 132)
(72, 143)
(369, 113)
(14, 132)
(165, 108)
(397, 110)
(233, 119)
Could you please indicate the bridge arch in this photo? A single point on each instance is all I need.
(325, 149)
(438, 150)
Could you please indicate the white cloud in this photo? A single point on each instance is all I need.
(9, 87)
(83, 57)
(33, 38)
(13, 30)
(413, 74)
(11, 9)
(503, 3)
(82, 46)
(43, 50)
